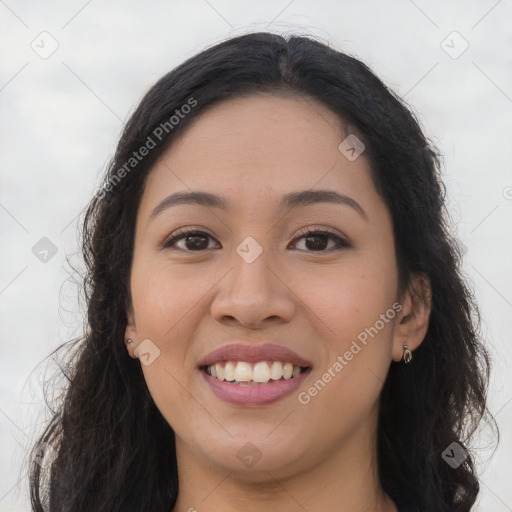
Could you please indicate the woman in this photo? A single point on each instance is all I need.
(276, 316)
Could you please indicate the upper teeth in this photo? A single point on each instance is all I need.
(241, 371)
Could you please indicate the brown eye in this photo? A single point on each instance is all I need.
(318, 241)
(192, 241)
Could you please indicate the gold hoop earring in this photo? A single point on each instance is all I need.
(407, 354)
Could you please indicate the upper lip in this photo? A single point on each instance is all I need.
(254, 353)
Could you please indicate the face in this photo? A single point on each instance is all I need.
(254, 289)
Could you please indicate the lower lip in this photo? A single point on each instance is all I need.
(259, 394)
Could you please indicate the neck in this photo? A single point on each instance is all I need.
(344, 480)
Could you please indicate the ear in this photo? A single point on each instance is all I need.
(130, 332)
(412, 321)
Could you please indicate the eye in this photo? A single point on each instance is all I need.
(317, 240)
(193, 240)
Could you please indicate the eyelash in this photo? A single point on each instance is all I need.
(305, 233)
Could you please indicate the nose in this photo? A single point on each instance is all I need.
(253, 295)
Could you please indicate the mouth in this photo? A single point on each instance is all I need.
(244, 373)
(262, 383)
(253, 375)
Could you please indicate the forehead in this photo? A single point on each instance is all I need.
(259, 147)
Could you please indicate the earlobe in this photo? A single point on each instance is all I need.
(412, 323)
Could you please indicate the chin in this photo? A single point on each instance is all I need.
(252, 458)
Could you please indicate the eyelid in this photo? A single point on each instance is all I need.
(319, 229)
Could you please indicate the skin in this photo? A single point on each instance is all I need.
(315, 456)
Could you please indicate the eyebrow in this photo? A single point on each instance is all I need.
(291, 200)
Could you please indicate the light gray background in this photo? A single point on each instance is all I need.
(61, 117)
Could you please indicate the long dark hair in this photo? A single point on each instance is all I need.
(113, 450)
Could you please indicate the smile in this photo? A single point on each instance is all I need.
(251, 374)
(252, 385)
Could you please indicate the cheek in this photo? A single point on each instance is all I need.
(164, 301)
(164, 297)
(354, 316)
(346, 299)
